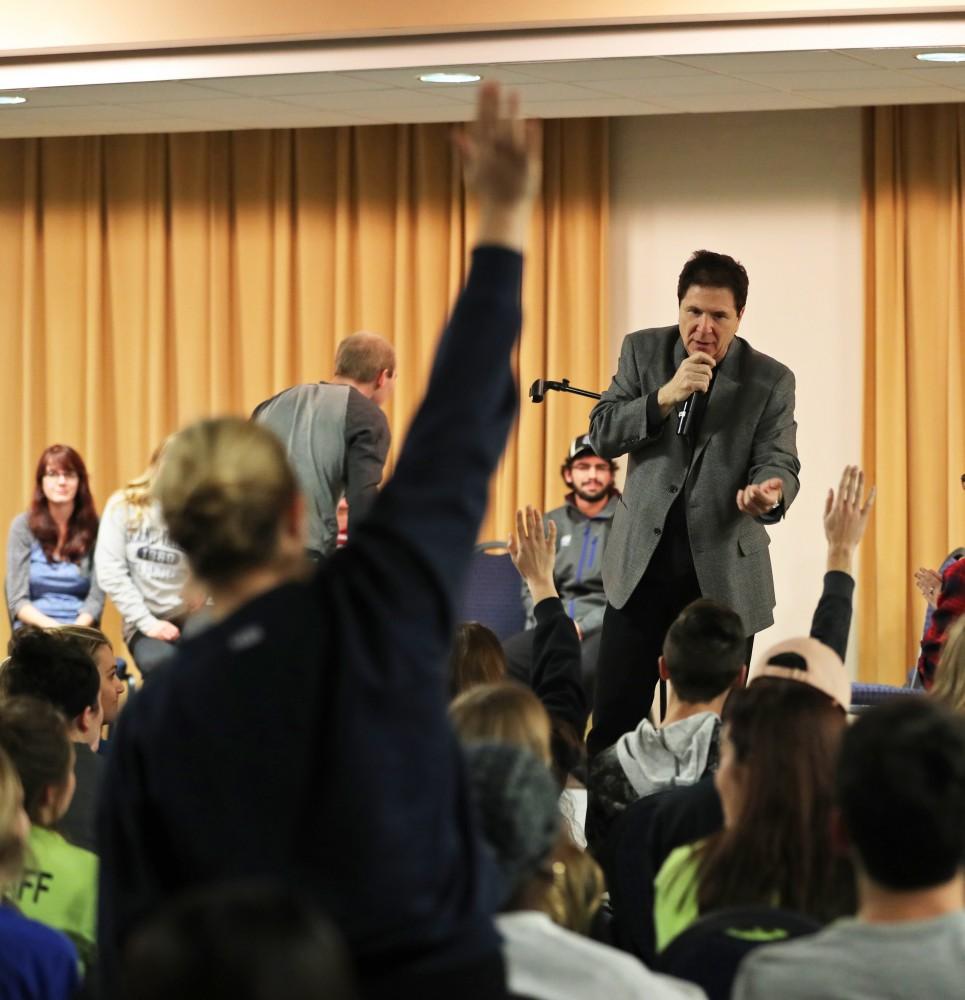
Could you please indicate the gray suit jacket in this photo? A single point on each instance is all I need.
(747, 435)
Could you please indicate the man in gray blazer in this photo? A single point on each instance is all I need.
(708, 424)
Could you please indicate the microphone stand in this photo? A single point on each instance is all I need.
(541, 386)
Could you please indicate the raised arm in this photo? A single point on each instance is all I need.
(845, 519)
(557, 677)
(420, 533)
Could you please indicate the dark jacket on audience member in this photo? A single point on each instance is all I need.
(305, 737)
(77, 824)
(632, 849)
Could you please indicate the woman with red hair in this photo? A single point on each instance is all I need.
(50, 573)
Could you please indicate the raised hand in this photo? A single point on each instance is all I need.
(929, 583)
(501, 160)
(758, 498)
(532, 548)
(846, 516)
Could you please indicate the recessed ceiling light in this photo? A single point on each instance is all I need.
(941, 57)
(450, 78)
(12, 99)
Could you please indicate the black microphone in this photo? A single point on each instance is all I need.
(537, 390)
(685, 414)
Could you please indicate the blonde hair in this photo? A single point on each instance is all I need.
(89, 639)
(949, 687)
(138, 491)
(224, 487)
(363, 356)
(577, 890)
(12, 847)
(505, 713)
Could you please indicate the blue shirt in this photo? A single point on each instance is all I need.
(57, 589)
(36, 963)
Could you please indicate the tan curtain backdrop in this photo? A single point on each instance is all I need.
(149, 280)
(914, 414)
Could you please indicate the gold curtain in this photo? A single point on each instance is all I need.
(149, 280)
(914, 415)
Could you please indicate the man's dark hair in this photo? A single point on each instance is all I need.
(54, 669)
(245, 941)
(714, 270)
(704, 650)
(901, 790)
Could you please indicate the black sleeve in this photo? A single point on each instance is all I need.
(832, 617)
(366, 446)
(557, 675)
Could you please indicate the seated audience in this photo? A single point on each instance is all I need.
(576, 895)
(142, 571)
(775, 779)
(949, 686)
(582, 528)
(505, 713)
(56, 669)
(303, 737)
(515, 798)
(703, 659)
(239, 941)
(98, 647)
(58, 887)
(929, 581)
(50, 572)
(949, 607)
(36, 963)
(650, 829)
(901, 802)
(476, 658)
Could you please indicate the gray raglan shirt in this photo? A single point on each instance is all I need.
(337, 441)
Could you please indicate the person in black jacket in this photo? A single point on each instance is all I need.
(303, 737)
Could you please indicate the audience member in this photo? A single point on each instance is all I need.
(555, 676)
(59, 885)
(476, 658)
(775, 781)
(50, 572)
(515, 798)
(703, 659)
(901, 797)
(949, 686)
(949, 607)
(36, 962)
(574, 899)
(56, 669)
(142, 571)
(929, 581)
(336, 434)
(505, 713)
(582, 528)
(98, 647)
(303, 736)
(238, 942)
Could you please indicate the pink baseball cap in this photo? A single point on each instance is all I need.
(808, 662)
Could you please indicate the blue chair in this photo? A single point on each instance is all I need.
(493, 591)
(865, 696)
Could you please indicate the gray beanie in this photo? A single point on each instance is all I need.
(516, 802)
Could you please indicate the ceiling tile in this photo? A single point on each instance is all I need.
(859, 79)
(284, 84)
(111, 93)
(895, 58)
(528, 92)
(742, 63)
(608, 69)
(681, 86)
(771, 101)
(223, 109)
(912, 95)
(410, 77)
(616, 107)
(946, 76)
(71, 116)
(372, 100)
(415, 116)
